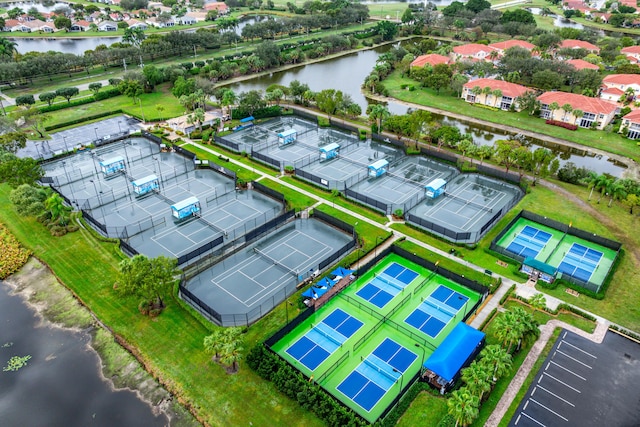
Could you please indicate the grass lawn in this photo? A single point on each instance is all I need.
(202, 153)
(89, 268)
(602, 140)
(150, 101)
(426, 410)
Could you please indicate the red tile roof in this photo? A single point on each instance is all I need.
(220, 6)
(512, 43)
(633, 116)
(472, 49)
(613, 91)
(431, 59)
(508, 89)
(631, 49)
(578, 44)
(622, 79)
(581, 64)
(580, 102)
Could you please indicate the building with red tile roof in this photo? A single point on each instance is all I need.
(581, 64)
(501, 47)
(594, 110)
(430, 59)
(578, 44)
(472, 52)
(619, 82)
(631, 122)
(221, 7)
(502, 95)
(632, 53)
(611, 94)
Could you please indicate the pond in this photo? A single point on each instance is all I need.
(61, 385)
(77, 46)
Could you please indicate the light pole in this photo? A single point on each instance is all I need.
(422, 362)
(401, 377)
(95, 188)
(119, 128)
(141, 111)
(360, 252)
(375, 248)
(95, 130)
(64, 138)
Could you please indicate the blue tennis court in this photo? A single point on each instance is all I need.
(450, 297)
(381, 289)
(377, 373)
(529, 242)
(580, 262)
(324, 338)
(430, 317)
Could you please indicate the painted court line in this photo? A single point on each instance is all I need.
(572, 358)
(577, 348)
(554, 395)
(549, 409)
(568, 370)
(560, 381)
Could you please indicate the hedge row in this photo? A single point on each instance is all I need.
(488, 319)
(506, 295)
(105, 94)
(294, 385)
(82, 119)
(561, 124)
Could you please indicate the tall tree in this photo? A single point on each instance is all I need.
(475, 376)
(147, 278)
(378, 113)
(497, 358)
(328, 100)
(463, 406)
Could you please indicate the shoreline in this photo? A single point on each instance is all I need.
(57, 307)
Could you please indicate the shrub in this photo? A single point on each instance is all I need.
(507, 294)
(83, 119)
(562, 124)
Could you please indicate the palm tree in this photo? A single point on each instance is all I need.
(378, 113)
(475, 376)
(577, 113)
(463, 406)
(7, 48)
(232, 348)
(604, 186)
(228, 99)
(538, 302)
(497, 358)
(567, 108)
(214, 343)
(591, 180)
(506, 329)
(599, 184)
(55, 205)
(498, 94)
(553, 107)
(616, 191)
(484, 152)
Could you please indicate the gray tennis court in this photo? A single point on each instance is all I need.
(470, 205)
(404, 180)
(146, 222)
(248, 284)
(267, 132)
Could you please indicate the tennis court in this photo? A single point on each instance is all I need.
(529, 242)
(377, 373)
(471, 204)
(580, 261)
(248, 284)
(436, 311)
(370, 368)
(324, 338)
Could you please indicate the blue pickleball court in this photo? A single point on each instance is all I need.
(372, 378)
(580, 262)
(324, 338)
(529, 242)
(382, 288)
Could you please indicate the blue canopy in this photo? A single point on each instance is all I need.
(341, 271)
(455, 351)
(326, 282)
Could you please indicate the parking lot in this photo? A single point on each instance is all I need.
(582, 383)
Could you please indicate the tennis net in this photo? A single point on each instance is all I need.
(325, 333)
(469, 202)
(438, 307)
(390, 283)
(267, 257)
(384, 372)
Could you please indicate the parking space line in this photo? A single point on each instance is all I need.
(572, 358)
(549, 409)
(532, 419)
(578, 348)
(561, 382)
(568, 370)
(554, 395)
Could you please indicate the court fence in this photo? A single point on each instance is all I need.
(269, 161)
(566, 229)
(224, 142)
(269, 192)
